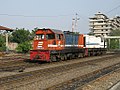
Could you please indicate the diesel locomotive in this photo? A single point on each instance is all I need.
(54, 45)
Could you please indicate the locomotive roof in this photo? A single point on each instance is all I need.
(53, 30)
(56, 31)
(68, 32)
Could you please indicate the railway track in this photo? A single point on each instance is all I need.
(13, 62)
(22, 64)
(17, 65)
(13, 57)
(39, 75)
(13, 68)
(12, 65)
(77, 83)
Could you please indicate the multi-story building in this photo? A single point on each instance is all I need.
(100, 24)
(115, 22)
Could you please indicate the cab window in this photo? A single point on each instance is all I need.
(50, 36)
(39, 37)
(59, 37)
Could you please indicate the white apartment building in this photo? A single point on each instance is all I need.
(115, 22)
(100, 24)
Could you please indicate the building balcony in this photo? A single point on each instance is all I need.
(100, 32)
(97, 20)
(97, 24)
(100, 28)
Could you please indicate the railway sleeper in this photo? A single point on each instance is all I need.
(11, 69)
(83, 80)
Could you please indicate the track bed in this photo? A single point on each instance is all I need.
(51, 75)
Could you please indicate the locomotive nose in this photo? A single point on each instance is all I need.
(40, 45)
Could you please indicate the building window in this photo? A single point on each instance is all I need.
(100, 22)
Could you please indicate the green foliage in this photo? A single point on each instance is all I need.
(115, 32)
(32, 34)
(2, 40)
(90, 33)
(2, 43)
(20, 36)
(24, 47)
(23, 38)
(114, 43)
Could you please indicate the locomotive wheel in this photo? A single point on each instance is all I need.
(81, 55)
(65, 57)
(53, 58)
(89, 54)
(62, 57)
(69, 58)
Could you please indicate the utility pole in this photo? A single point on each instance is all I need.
(74, 23)
(74, 27)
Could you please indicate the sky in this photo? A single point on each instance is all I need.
(55, 14)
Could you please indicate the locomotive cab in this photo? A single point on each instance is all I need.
(45, 41)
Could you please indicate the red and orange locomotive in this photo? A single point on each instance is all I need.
(53, 45)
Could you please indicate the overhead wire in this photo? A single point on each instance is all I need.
(35, 16)
(113, 9)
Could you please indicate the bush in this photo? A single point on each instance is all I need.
(20, 36)
(2, 43)
(2, 48)
(24, 47)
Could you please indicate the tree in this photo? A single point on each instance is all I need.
(32, 34)
(20, 36)
(24, 47)
(115, 32)
(90, 33)
(2, 43)
(114, 43)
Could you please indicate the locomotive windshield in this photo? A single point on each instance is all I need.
(42, 36)
(39, 36)
(50, 36)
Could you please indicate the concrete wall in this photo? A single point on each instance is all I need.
(12, 46)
